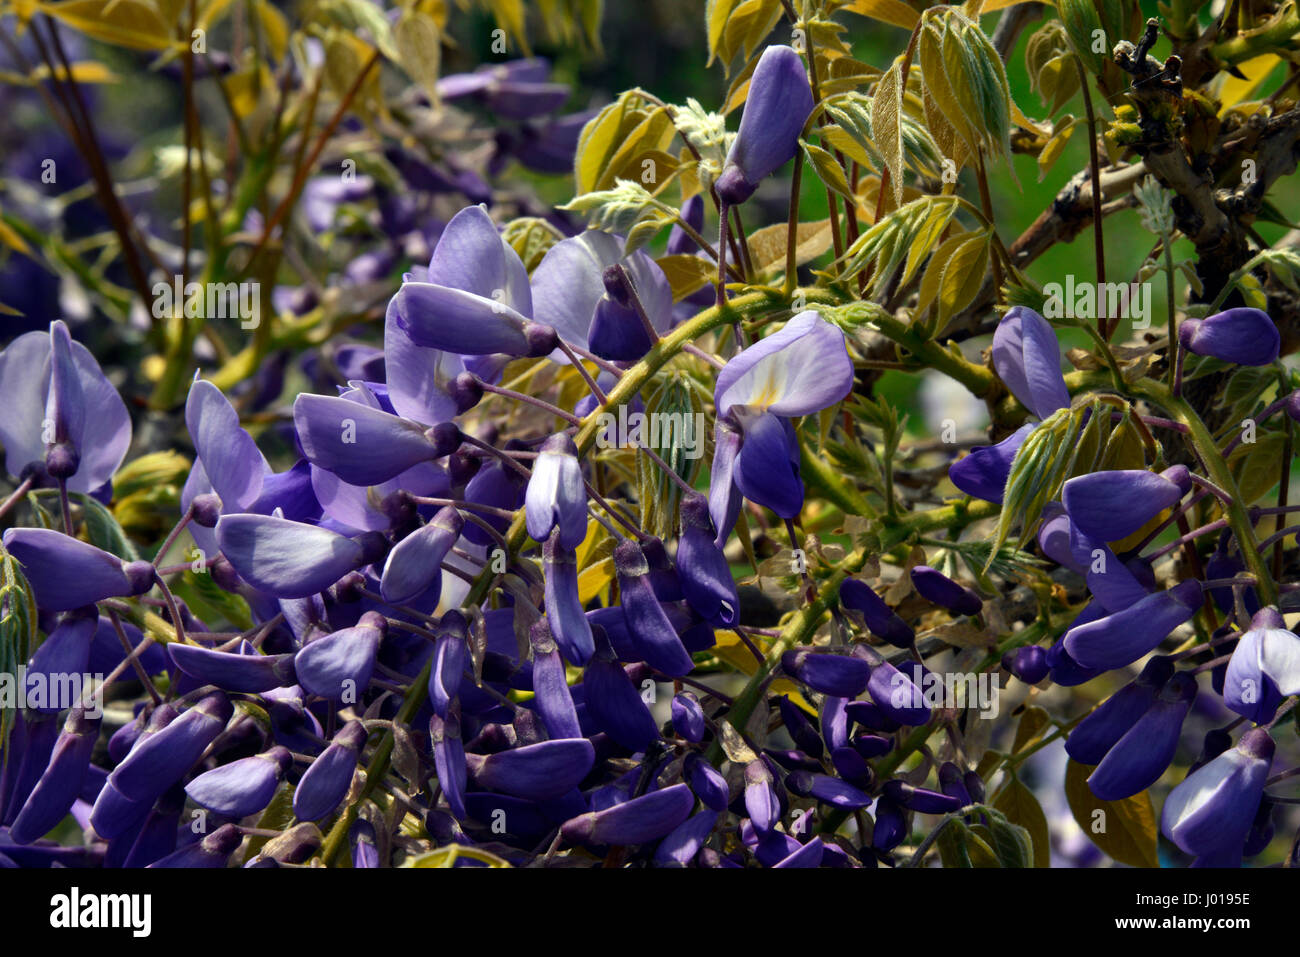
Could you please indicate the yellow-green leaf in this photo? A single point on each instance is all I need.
(887, 11)
(123, 23)
(1125, 830)
(887, 123)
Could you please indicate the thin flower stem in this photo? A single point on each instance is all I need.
(131, 657)
(701, 354)
(65, 507)
(792, 226)
(1191, 536)
(542, 404)
(616, 513)
(505, 457)
(668, 470)
(582, 371)
(16, 496)
(172, 536)
(747, 258)
(637, 305)
(721, 300)
(1277, 537)
(1259, 420)
(172, 607)
(1221, 494)
(459, 503)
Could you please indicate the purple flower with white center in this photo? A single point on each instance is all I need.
(475, 299)
(572, 294)
(1210, 813)
(1122, 637)
(1244, 336)
(800, 370)
(1264, 668)
(776, 109)
(242, 787)
(56, 396)
(556, 496)
(67, 573)
(939, 589)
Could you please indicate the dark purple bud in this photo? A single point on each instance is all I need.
(569, 625)
(880, 619)
(652, 634)
(245, 671)
(1028, 663)
(60, 784)
(556, 496)
(953, 783)
(325, 784)
(890, 825)
(1139, 758)
(537, 771)
(680, 847)
(1244, 336)
(1293, 405)
(242, 787)
(941, 590)
(642, 819)
(778, 105)
(810, 855)
(894, 692)
(921, 800)
(338, 666)
(707, 782)
(65, 651)
(364, 843)
(449, 760)
(692, 212)
(158, 760)
(974, 786)
(799, 727)
(466, 391)
(213, 850)
(1095, 735)
(869, 715)
(872, 745)
(206, 509)
(688, 717)
(837, 675)
(823, 787)
(705, 573)
(615, 704)
(1125, 636)
(551, 691)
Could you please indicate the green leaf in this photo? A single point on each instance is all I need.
(17, 633)
(123, 23)
(1020, 806)
(103, 531)
(418, 44)
(1125, 830)
(829, 171)
(212, 602)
